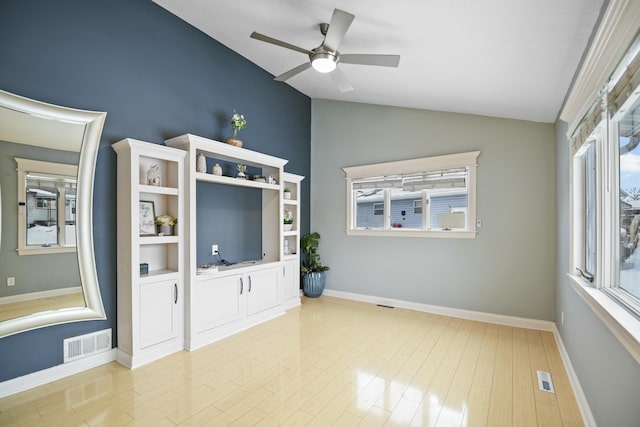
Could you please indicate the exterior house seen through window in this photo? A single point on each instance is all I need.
(427, 197)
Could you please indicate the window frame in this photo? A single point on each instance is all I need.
(603, 294)
(24, 168)
(417, 208)
(466, 160)
(378, 210)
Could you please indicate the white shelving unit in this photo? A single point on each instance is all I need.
(150, 306)
(291, 242)
(172, 306)
(230, 299)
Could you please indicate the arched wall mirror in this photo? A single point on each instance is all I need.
(47, 264)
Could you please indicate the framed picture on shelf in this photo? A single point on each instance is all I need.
(147, 217)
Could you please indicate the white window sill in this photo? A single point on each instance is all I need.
(622, 324)
(406, 232)
(46, 250)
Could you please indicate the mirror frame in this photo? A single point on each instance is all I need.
(94, 122)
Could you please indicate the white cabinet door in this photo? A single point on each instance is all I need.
(217, 302)
(159, 312)
(291, 279)
(262, 290)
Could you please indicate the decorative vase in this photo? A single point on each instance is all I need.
(216, 170)
(288, 227)
(234, 142)
(286, 195)
(165, 230)
(153, 175)
(201, 163)
(313, 283)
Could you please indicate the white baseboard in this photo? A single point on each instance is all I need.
(518, 322)
(583, 404)
(26, 382)
(51, 293)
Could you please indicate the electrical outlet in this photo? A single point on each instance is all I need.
(478, 223)
(214, 249)
(11, 281)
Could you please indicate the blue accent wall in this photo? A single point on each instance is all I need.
(235, 227)
(156, 77)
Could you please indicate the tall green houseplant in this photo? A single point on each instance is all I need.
(313, 272)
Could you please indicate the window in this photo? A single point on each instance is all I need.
(605, 190)
(585, 186)
(627, 264)
(427, 197)
(417, 206)
(46, 207)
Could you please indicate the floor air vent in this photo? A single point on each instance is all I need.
(544, 381)
(85, 345)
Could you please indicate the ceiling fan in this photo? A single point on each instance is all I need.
(326, 57)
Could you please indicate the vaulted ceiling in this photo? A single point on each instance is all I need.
(502, 58)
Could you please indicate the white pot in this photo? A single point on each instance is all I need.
(288, 227)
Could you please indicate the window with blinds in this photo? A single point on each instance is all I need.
(606, 188)
(46, 207)
(427, 197)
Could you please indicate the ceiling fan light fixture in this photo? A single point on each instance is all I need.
(324, 62)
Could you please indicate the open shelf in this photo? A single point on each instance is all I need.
(155, 240)
(228, 180)
(152, 189)
(158, 275)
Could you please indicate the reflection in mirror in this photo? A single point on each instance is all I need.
(46, 207)
(47, 158)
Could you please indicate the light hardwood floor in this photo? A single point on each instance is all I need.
(24, 308)
(331, 362)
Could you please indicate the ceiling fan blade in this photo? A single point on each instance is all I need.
(280, 43)
(365, 59)
(340, 80)
(300, 68)
(340, 23)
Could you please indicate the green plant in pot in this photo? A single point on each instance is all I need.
(165, 224)
(313, 272)
(288, 220)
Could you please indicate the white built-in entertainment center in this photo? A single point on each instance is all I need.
(166, 301)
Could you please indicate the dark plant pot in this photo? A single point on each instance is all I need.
(313, 284)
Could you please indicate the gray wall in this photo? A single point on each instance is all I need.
(32, 273)
(508, 269)
(609, 376)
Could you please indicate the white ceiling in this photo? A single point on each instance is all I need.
(501, 58)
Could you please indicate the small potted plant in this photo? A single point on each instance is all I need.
(286, 194)
(165, 224)
(313, 272)
(237, 122)
(288, 220)
(241, 171)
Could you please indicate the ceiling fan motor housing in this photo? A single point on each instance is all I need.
(324, 60)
